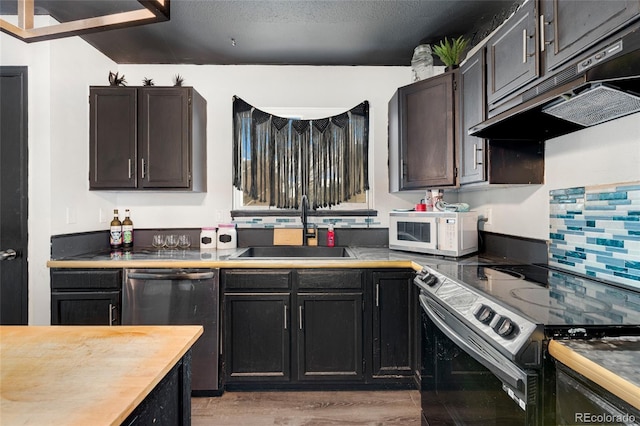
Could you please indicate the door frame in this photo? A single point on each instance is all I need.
(23, 72)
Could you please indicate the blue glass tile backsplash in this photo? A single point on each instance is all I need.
(295, 222)
(595, 230)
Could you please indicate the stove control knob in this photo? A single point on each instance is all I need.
(428, 279)
(485, 314)
(506, 328)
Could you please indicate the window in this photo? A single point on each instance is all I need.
(277, 159)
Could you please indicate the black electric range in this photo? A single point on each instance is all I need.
(559, 300)
(567, 305)
(485, 332)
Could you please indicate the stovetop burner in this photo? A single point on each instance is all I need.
(549, 297)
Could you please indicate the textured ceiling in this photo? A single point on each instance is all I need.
(293, 32)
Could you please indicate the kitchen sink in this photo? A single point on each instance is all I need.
(289, 252)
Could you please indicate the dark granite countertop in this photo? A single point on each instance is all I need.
(364, 257)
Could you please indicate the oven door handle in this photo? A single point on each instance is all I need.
(171, 275)
(504, 370)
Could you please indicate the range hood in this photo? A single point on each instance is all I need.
(600, 87)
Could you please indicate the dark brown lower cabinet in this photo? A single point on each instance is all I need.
(85, 296)
(394, 324)
(256, 339)
(330, 336)
(318, 327)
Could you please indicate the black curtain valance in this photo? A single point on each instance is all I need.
(276, 160)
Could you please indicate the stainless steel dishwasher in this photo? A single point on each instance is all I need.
(179, 297)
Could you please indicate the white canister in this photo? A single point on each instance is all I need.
(208, 238)
(227, 236)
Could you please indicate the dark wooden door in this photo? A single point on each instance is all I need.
(472, 112)
(427, 133)
(164, 149)
(85, 308)
(256, 336)
(570, 26)
(14, 271)
(394, 323)
(512, 59)
(113, 137)
(329, 336)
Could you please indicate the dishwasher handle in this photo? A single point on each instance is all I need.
(171, 275)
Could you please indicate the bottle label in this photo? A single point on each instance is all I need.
(127, 234)
(115, 236)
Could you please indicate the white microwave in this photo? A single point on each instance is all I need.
(444, 233)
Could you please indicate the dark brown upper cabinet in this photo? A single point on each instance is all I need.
(150, 138)
(512, 55)
(569, 26)
(472, 112)
(422, 134)
(485, 161)
(541, 38)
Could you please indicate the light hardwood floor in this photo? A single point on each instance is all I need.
(308, 408)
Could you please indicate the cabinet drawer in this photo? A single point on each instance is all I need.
(85, 307)
(256, 279)
(321, 279)
(86, 279)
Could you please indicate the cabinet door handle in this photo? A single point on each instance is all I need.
(300, 315)
(475, 156)
(525, 54)
(130, 169)
(543, 41)
(476, 150)
(144, 164)
(377, 294)
(112, 308)
(285, 317)
(524, 46)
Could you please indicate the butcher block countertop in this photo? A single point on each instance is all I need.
(610, 362)
(89, 375)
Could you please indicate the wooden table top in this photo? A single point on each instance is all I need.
(84, 375)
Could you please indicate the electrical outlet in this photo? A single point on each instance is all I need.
(488, 216)
(484, 216)
(102, 216)
(219, 216)
(72, 216)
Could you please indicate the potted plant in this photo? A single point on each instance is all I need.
(450, 51)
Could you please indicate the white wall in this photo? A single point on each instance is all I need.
(607, 153)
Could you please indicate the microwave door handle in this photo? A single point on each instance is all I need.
(436, 232)
(171, 276)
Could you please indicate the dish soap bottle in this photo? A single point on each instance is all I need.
(331, 236)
